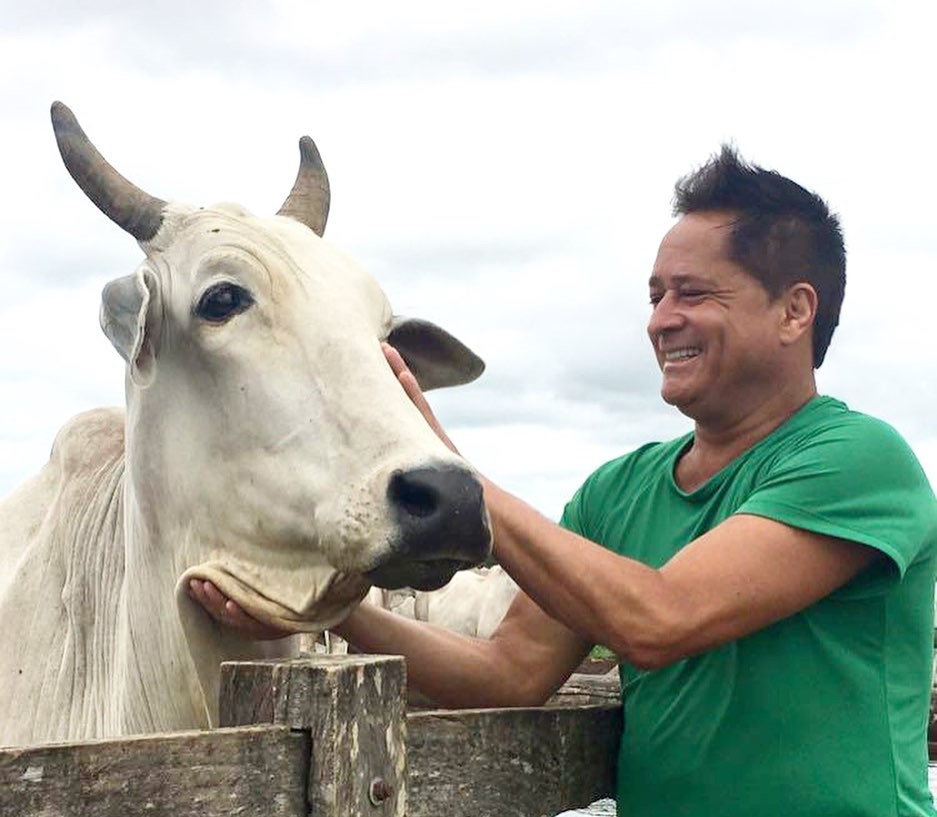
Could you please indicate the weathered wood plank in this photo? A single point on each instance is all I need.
(253, 772)
(354, 709)
(582, 689)
(510, 762)
(503, 762)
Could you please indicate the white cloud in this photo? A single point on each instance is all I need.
(504, 169)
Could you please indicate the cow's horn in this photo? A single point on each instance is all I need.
(308, 201)
(139, 213)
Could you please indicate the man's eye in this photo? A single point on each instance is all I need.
(692, 294)
(223, 301)
(656, 298)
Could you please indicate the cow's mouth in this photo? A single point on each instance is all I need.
(420, 575)
(305, 601)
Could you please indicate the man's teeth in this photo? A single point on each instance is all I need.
(682, 354)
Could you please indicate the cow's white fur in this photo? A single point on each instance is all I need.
(474, 602)
(254, 453)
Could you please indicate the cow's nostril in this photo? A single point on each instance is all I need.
(412, 495)
(442, 526)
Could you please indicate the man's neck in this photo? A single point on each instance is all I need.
(716, 444)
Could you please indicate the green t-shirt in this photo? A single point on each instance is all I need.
(825, 712)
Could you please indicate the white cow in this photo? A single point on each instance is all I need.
(473, 602)
(266, 446)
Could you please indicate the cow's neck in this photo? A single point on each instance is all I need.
(95, 586)
(172, 652)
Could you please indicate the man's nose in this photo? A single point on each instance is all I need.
(665, 316)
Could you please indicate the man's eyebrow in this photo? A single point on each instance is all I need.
(679, 280)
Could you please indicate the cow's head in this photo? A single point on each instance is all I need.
(261, 412)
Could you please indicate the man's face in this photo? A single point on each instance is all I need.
(713, 327)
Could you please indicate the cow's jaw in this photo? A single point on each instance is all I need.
(307, 598)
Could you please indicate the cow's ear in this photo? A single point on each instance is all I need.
(130, 317)
(434, 356)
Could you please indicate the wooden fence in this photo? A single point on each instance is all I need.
(330, 736)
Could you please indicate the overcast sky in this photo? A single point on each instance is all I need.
(504, 169)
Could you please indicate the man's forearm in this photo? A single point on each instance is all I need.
(452, 669)
(573, 579)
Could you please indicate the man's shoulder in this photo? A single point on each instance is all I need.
(829, 422)
(846, 474)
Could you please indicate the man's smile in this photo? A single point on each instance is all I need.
(673, 357)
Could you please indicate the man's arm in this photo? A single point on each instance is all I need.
(741, 576)
(526, 660)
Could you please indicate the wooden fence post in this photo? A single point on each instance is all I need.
(354, 709)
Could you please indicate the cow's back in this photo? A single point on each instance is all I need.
(59, 537)
(83, 445)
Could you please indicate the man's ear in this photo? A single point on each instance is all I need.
(800, 311)
(131, 317)
(435, 357)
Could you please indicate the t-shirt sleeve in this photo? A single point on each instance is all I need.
(572, 518)
(587, 511)
(856, 480)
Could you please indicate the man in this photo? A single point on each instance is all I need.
(766, 580)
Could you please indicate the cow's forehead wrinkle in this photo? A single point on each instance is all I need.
(285, 249)
(187, 231)
(234, 262)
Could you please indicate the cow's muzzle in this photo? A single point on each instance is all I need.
(442, 528)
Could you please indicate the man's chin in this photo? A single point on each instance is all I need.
(673, 397)
(682, 396)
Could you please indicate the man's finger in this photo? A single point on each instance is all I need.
(394, 358)
(412, 389)
(406, 378)
(229, 613)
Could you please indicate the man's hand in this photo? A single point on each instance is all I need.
(412, 389)
(227, 612)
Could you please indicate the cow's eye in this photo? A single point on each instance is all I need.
(223, 301)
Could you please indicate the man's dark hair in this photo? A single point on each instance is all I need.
(782, 234)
